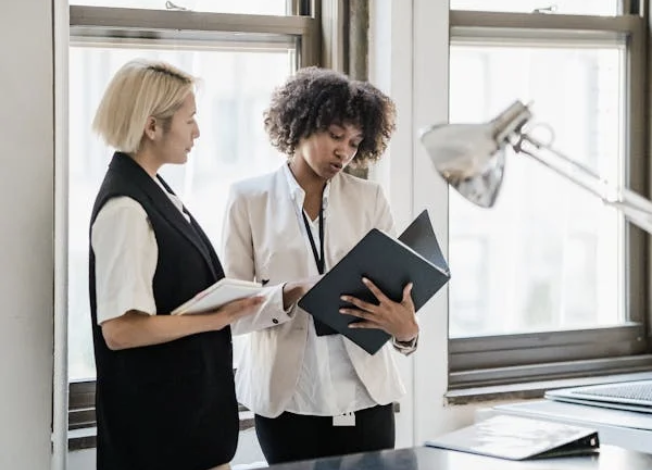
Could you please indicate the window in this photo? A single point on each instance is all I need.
(238, 71)
(549, 271)
(578, 7)
(530, 229)
(203, 183)
(471, 256)
(260, 7)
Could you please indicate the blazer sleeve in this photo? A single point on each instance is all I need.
(385, 222)
(238, 262)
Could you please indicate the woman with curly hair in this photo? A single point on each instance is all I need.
(313, 391)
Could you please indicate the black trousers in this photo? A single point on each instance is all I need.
(291, 437)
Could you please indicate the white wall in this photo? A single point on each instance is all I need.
(410, 62)
(390, 68)
(26, 246)
(430, 81)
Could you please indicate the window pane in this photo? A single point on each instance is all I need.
(235, 89)
(548, 255)
(258, 7)
(573, 7)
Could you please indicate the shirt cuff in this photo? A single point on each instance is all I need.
(290, 310)
(406, 347)
(274, 306)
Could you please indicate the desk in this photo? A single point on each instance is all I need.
(627, 429)
(425, 458)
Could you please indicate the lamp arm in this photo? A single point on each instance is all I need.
(636, 208)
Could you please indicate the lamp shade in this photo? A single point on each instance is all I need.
(471, 157)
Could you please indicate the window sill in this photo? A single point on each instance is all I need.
(531, 390)
(85, 438)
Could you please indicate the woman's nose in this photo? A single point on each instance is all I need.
(345, 154)
(342, 152)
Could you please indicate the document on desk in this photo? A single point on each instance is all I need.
(516, 438)
(389, 263)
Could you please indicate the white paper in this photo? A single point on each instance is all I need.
(222, 292)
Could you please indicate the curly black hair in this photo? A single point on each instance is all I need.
(314, 99)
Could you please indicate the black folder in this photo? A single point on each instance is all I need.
(390, 264)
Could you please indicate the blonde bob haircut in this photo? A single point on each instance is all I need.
(139, 90)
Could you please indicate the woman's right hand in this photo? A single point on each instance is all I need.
(233, 311)
(293, 291)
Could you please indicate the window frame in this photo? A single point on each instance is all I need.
(107, 26)
(524, 358)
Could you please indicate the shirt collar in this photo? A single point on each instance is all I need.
(176, 200)
(298, 194)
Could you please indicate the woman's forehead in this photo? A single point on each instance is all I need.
(348, 127)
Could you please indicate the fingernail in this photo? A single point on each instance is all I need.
(365, 280)
(342, 310)
(344, 297)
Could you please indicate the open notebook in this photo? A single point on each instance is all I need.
(222, 292)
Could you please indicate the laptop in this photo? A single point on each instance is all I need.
(630, 396)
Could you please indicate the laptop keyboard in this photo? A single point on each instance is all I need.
(630, 392)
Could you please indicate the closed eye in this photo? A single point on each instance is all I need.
(336, 137)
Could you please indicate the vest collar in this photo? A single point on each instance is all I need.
(123, 163)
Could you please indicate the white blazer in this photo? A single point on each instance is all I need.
(263, 241)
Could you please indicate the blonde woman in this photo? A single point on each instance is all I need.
(165, 391)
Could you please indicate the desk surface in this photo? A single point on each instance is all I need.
(425, 458)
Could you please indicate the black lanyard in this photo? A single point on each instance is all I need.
(320, 328)
(319, 258)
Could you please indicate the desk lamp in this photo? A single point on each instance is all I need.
(471, 158)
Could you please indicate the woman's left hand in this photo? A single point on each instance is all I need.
(395, 318)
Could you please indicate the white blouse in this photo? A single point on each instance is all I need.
(126, 253)
(328, 384)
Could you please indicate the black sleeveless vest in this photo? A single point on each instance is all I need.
(170, 406)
